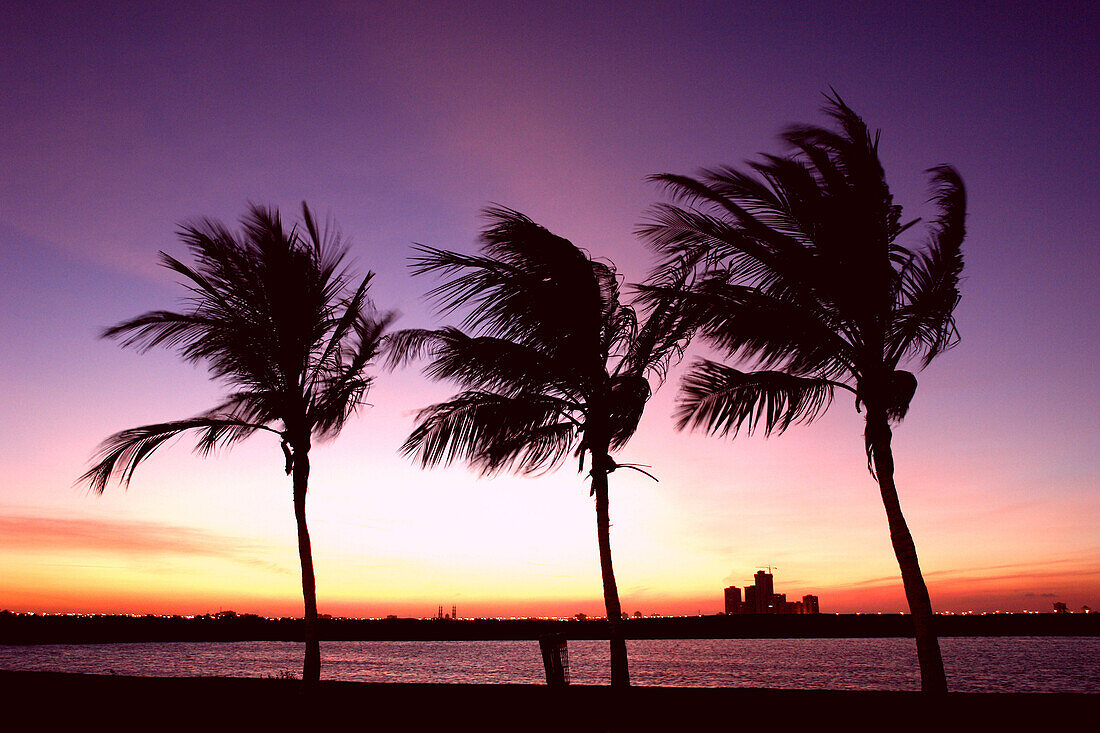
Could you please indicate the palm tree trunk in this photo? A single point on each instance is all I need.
(311, 669)
(878, 435)
(620, 673)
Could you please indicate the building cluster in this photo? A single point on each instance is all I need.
(762, 598)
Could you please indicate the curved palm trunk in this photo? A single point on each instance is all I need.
(311, 669)
(620, 673)
(933, 679)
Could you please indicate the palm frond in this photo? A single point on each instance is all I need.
(661, 340)
(157, 328)
(497, 365)
(531, 287)
(345, 383)
(629, 395)
(695, 242)
(768, 331)
(339, 325)
(723, 400)
(120, 454)
(620, 328)
(254, 406)
(408, 345)
(492, 433)
(924, 323)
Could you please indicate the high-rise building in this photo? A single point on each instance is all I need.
(810, 604)
(764, 591)
(750, 599)
(733, 599)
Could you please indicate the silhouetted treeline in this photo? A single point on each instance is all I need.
(26, 629)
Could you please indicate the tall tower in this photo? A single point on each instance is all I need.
(454, 612)
(733, 599)
(765, 588)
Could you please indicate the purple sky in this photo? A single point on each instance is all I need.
(121, 120)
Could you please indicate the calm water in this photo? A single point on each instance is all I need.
(1015, 664)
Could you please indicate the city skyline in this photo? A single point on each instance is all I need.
(760, 597)
(401, 124)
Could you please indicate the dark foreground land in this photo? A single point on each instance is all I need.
(50, 700)
(28, 629)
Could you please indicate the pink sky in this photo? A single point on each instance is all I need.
(122, 121)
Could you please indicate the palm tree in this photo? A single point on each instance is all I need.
(797, 269)
(558, 365)
(273, 315)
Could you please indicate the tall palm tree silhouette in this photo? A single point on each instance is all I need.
(796, 268)
(558, 365)
(274, 315)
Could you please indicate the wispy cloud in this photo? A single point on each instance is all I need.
(1022, 570)
(128, 537)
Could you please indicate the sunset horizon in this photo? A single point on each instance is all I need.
(974, 590)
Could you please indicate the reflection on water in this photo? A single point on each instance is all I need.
(1014, 664)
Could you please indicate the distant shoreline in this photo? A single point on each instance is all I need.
(27, 629)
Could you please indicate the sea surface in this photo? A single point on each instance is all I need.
(979, 664)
